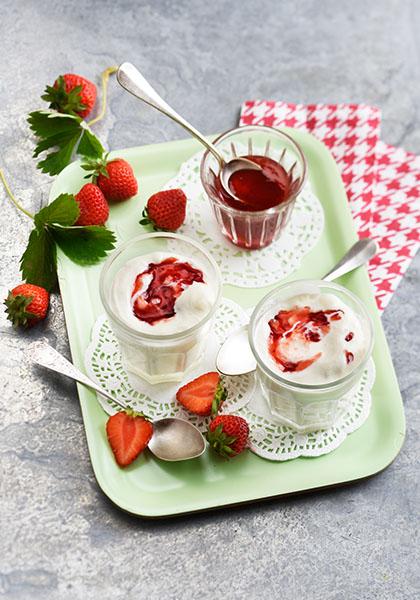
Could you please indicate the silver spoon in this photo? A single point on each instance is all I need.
(130, 78)
(235, 356)
(173, 439)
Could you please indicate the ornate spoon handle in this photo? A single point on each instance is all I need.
(133, 81)
(45, 355)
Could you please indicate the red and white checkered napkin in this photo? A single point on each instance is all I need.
(382, 182)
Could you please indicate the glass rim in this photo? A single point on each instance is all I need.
(150, 336)
(296, 386)
(267, 211)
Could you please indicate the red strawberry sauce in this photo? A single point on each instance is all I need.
(300, 323)
(258, 190)
(169, 279)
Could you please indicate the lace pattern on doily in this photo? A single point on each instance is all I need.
(277, 442)
(268, 439)
(104, 365)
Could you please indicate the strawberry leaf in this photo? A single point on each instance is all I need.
(38, 262)
(60, 136)
(64, 210)
(58, 133)
(45, 123)
(90, 146)
(84, 245)
(56, 161)
(53, 225)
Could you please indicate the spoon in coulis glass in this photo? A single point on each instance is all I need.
(130, 78)
(173, 439)
(235, 356)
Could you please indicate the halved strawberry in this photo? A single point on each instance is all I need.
(204, 395)
(128, 434)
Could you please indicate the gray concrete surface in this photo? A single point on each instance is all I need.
(59, 537)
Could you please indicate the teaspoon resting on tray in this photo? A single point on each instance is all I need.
(235, 356)
(173, 439)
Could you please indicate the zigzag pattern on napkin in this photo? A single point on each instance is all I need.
(382, 182)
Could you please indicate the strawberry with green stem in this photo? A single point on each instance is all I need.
(228, 435)
(26, 304)
(114, 177)
(204, 395)
(62, 134)
(71, 94)
(165, 210)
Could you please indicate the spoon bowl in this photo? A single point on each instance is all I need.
(236, 354)
(231, 167)
(174, 439)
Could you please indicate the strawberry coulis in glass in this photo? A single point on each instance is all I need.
(169, 278)
(258, 190)
(299, 323)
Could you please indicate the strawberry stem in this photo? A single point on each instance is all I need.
(105, 77)
(12, 198)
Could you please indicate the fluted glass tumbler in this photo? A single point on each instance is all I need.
(160, 357)
(253, 229)
(305, 406)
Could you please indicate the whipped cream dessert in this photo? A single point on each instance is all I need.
(312, 339)
(160, 293)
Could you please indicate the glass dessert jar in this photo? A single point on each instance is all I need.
(160, 292)
(267, 197)
(311, 341)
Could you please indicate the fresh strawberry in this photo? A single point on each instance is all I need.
(115, 177)
(93, 207)
(228, 435)
(128, 434)
(119, 183)
(27, 304)
(166, 210)
(204, 395)
(71, 94)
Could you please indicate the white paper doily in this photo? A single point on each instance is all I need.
(104, 365)
(267, 439)
(278, 442)
(249, 268)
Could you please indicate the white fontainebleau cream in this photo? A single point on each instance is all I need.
(193, 304)
(330, 351)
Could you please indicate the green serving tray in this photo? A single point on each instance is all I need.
(152, 488)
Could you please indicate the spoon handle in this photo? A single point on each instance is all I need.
(133, 81)
(360, 253)
(45, 355)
